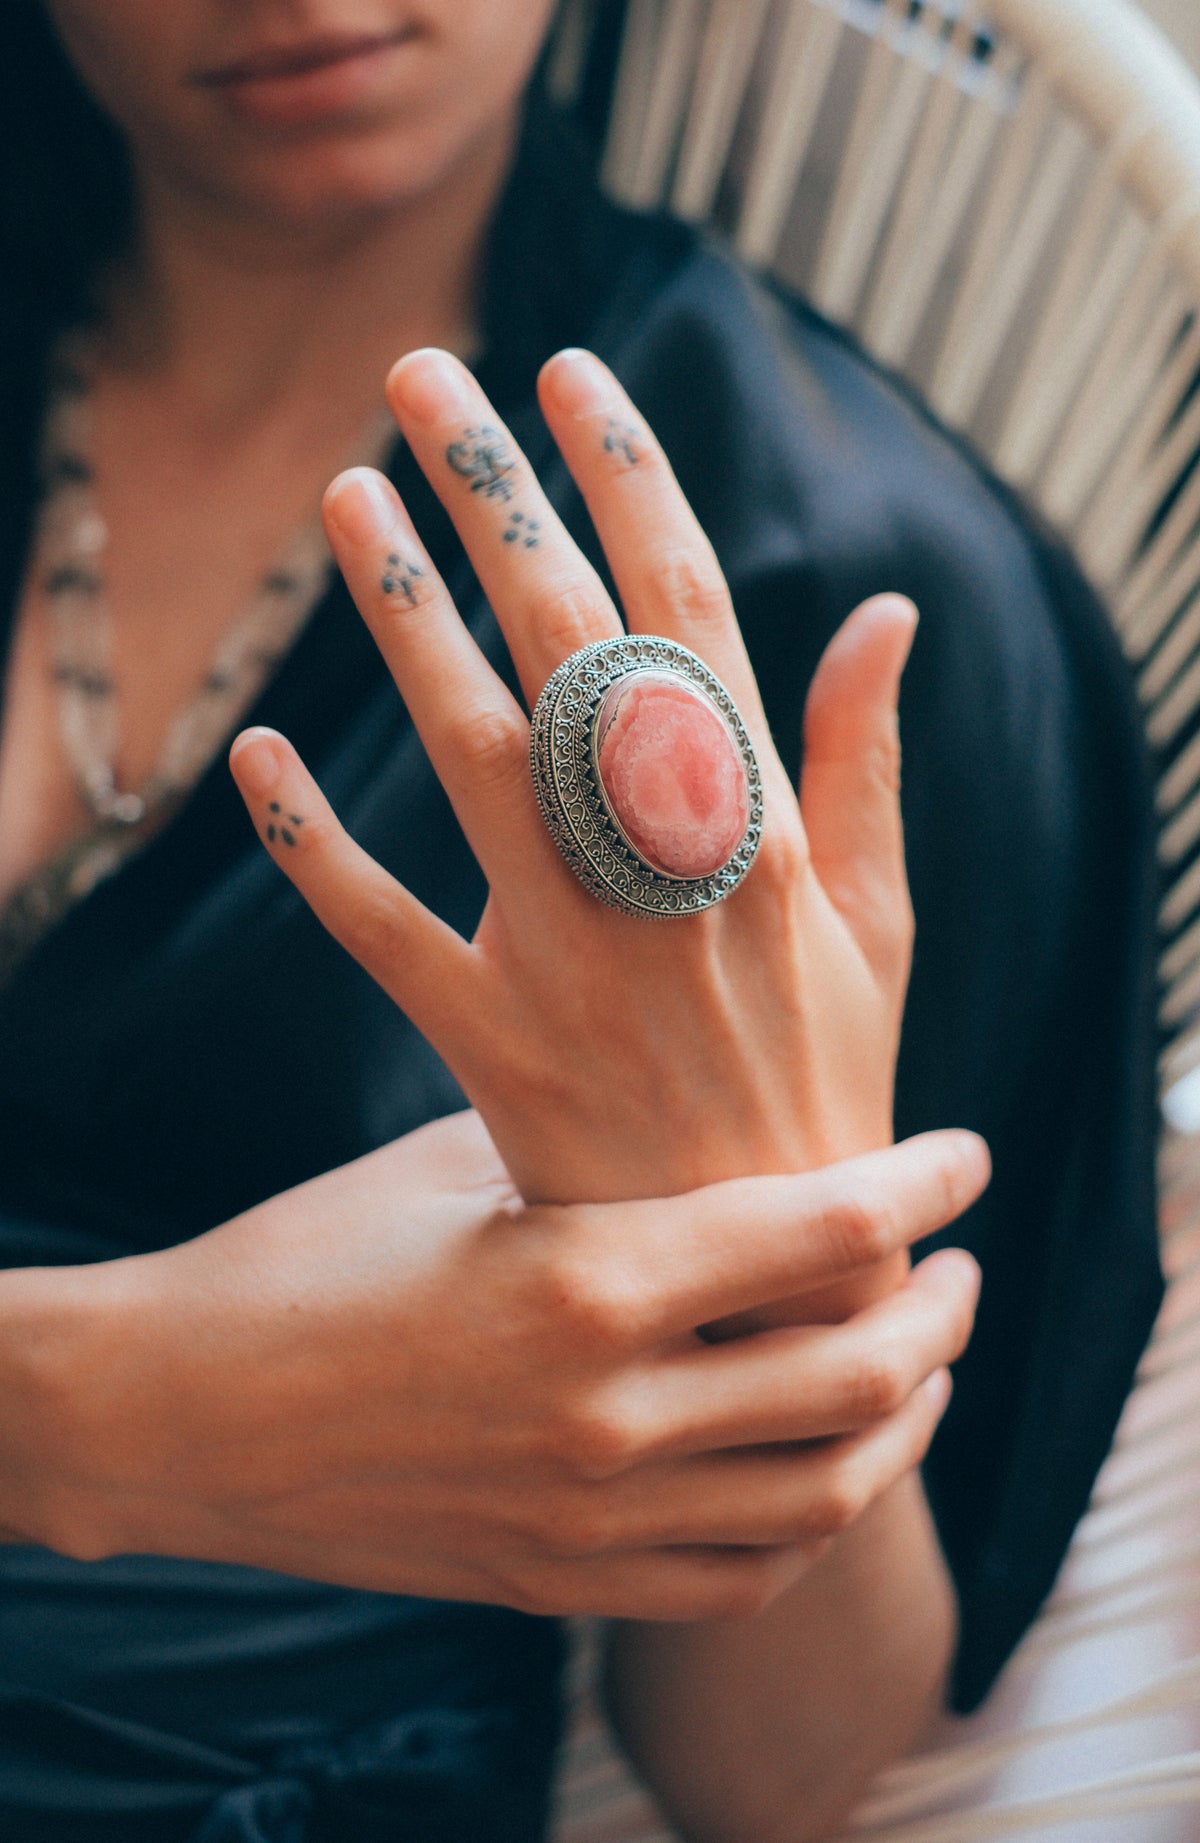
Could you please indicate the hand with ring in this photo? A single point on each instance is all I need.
(614, 1048)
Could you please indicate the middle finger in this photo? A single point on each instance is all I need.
(548, 599)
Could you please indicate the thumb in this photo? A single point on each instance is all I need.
(850, 782)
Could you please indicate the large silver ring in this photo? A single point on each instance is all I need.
(586, 743)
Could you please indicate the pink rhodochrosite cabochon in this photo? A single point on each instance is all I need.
(672, 774)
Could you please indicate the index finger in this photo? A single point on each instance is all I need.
(733, 1247)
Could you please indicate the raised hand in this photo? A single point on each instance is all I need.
(611, 1056)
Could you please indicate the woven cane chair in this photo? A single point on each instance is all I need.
(1002, 199)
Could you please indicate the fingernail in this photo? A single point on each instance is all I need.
(939, 1388)
(970, 1276)
(578, 382)
(976, 1158)
(255, 761)
(432, 386)
(363, 505)
(949, 1266)
(897, 604)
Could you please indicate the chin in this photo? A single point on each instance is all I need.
(334, 184)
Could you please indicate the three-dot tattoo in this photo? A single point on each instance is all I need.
(399, 578)
(283, 827)
(520, 529)
(621, 438)
(482, 457)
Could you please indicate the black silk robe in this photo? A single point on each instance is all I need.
(188, 1041)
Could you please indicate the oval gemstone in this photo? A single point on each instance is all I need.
(672, 773)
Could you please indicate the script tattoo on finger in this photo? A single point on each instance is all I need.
(284, 825)
(621, 438)
(400, 578)
(481, 456)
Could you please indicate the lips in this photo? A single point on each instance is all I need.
(324, 83)
(314, 55)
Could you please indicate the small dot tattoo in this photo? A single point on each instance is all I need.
(400, 578)
(520, 528)
(620, 438)
(285, 832)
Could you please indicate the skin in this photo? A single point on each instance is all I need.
(246, 334)
(506, 1388)
(779, 1009)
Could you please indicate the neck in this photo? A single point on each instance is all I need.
(241, 316)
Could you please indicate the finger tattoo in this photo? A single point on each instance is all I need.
(620, 438)
(400, 578)
(284, 825)
(521, 530)
(481, 456)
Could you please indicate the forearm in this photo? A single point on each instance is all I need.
(768, 1730)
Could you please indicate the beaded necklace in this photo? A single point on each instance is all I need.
(70, 543)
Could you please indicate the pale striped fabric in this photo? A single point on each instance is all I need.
(1002, 199)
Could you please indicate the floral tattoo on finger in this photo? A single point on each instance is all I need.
(481, 457)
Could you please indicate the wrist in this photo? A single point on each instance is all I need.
(69, 1416)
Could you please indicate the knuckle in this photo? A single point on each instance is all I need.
(747, 1589)
(879, 1385)
(566, 615)
(495, 744)
(601, 1307)
(690, 583)
(575, 1527)
(601, 1441)
(782, 862)
(371, 926)
(862, 1228)
(843, 1498)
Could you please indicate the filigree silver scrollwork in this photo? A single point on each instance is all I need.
(571, 795)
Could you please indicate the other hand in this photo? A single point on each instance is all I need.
(400, 1377)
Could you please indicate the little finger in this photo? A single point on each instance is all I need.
(423, 965)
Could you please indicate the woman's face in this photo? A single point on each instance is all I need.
(304, 112)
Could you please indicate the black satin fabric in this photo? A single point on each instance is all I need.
(188, 1041)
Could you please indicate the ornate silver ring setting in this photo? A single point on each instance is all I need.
(646, 777)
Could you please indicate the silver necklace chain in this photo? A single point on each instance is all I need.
(70, 545)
